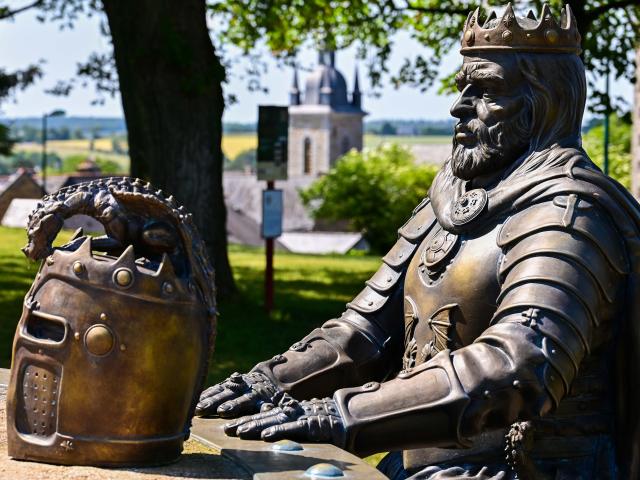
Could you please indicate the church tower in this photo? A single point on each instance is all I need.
(324, 123)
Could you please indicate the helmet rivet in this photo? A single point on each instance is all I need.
(167, 287)
(78, 268)
(99, 340)
(76, 335)
(123, 277)
(103, 317)
(123, 347)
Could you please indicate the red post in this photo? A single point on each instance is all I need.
(268, 272)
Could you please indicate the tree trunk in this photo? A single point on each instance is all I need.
(171, 87)
(635, 133)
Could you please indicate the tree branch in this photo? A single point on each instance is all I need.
(6, 13)
(446, 11)
(596, 12)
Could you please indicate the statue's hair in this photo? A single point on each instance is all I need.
(558, 91)
(555, 103)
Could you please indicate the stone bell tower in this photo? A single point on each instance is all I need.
(324, 123)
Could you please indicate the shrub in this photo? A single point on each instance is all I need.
(619, 148)
(375, 190)
(245, 159)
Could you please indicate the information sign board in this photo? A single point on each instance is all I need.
(273, 132)
(271, 213)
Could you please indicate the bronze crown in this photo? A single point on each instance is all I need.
(528, 34)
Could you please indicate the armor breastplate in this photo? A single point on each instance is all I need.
(451, 288)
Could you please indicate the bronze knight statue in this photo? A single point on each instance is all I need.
(500, 335)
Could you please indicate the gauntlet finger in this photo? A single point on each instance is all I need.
(209, 406)
(252, 430)
(231, 427)
(210, 392)
(291, 431)
(243, 405)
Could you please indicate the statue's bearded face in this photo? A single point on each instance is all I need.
(494, 118)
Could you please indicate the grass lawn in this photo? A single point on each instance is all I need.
(309, 290)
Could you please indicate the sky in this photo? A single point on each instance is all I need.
(25, 40)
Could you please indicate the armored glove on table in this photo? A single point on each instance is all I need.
(240, 394)
(315, 420)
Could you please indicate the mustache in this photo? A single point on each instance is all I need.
(489, 139)
(474, 127)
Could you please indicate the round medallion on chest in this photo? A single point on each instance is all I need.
(469, 206)
(438, 250)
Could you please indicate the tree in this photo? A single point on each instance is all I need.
(610, 30)
(9, 83)
(374, 190)
(170, 81)
(171, 87)
(170, 76)
(388, 129)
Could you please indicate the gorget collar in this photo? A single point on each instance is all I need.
(458, 207)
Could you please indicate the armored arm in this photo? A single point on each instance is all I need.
(363, 344)
(561, 272)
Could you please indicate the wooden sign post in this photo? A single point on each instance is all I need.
(273, 130)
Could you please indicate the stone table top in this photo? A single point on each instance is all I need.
(208, 454)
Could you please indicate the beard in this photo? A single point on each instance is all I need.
(496, 147)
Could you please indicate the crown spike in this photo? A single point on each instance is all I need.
(475, 17)
(128, 258)
(166, 268)
(568, 19)
(531, 15)
(84, 250)
(546, 16)
(509, 16)
(492, 16)
(466, 23)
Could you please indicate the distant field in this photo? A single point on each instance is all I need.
(66, 148)
(232, 145)
(375, 140)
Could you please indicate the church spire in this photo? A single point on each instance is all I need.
(294, 93)
(356, 96)
(325, 88)
(327, 57)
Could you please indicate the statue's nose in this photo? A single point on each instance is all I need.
(464, 105)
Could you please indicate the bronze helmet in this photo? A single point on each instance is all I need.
(112, 347)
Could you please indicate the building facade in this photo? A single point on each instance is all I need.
(325, 122)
